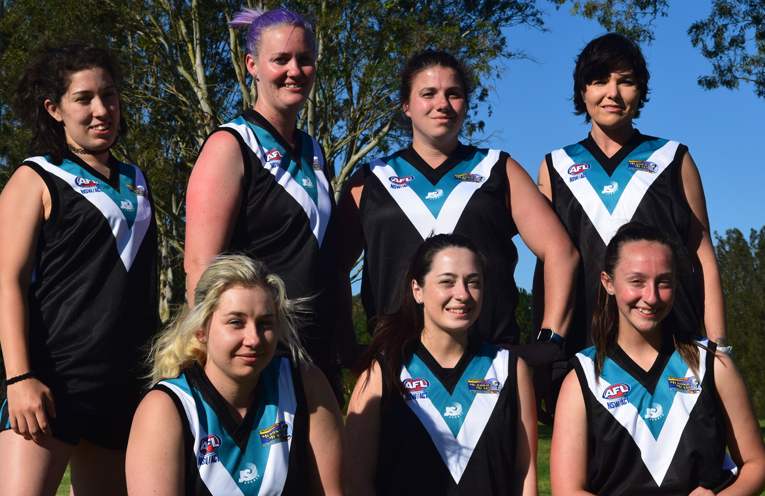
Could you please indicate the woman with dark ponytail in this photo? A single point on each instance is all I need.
(78, 292)
(650, 409)
(429, 396)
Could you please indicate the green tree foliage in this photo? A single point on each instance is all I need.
(742, 268)
(732, 38)
(523, 315)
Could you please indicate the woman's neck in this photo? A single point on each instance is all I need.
(642, 348)
(284, 124)
(434, 154)
(446, 348)
(238, 397)
(99, 161)
(610, 141)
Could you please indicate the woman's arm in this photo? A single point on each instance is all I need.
(363, 426)
(25, 204)
(702, 253)
(326, 435)
(546, 237)
(525, 475)
(351, 245)
(743, 432)
(570, 452)
(154, 462)
(213, 199)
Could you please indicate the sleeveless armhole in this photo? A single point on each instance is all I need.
(188, 462)
(582, 379)
(675, 179)
(55, 201)
(550, 170)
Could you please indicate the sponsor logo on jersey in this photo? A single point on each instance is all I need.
(84, 182)
(274, 154)
(307, 183)
(473, 178)
(688, 385)
(316, 165)
(136, 190)
(434, 195)
(577, 171)
(400, 181)
(642, 165)
(280, 432)
(610, 189)
(417, 388)
(208, 450)
(127, 205)
(618, 402)
(249, 474)
(483, 386)
(616, 391)
(453, 411)
(654, 412)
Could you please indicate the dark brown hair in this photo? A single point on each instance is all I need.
(597, 60)
(396, 334)
(47, 78)
(605, 319)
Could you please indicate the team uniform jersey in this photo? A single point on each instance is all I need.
(93, 294)
(659, 431)
(455, 432)
(287, 220)
(594, 196)
(404, 201)
(264, 455)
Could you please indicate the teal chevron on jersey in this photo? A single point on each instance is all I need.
(432, 196)
(302, 172)
(453, 407)
(125, 198)
(224, 466)
(611, 188)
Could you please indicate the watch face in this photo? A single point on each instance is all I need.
(545, 334)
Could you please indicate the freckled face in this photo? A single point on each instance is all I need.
(285, 69)
(241, 336)
(643, 285)
(452, 292)
(89, 110)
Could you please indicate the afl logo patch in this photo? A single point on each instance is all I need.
(400, 181)
(273, 155)
(616, 391)
(577, 169)
(472, 178)
(418, 384)
(208, 450)
(84, 182)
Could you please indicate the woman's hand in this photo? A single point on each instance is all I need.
(30, 403)
(701, 491)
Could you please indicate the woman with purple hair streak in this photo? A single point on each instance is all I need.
(259, 186)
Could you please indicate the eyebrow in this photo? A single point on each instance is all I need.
(450, 274)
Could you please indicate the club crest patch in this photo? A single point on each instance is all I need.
(687, 385)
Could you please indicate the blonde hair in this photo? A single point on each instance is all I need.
(177, 347)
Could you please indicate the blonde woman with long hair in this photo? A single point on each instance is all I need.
(226, 414)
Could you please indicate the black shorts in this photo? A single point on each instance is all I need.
(70, 426)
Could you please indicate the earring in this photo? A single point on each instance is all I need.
(419, 302)
(610, 294)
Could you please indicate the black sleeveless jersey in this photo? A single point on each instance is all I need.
(456, 431)
(288, 221)
(659, 431)
(594, 195)
(404, 201)
(264, 454)
(93, 296)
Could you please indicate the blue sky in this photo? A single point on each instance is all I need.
(724, 130)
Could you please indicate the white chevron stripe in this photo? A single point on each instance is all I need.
(656, 453)
(456, 452)
(279, 454)
(414, 207)
(318, 216)
(605, 223)
(128, 240)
